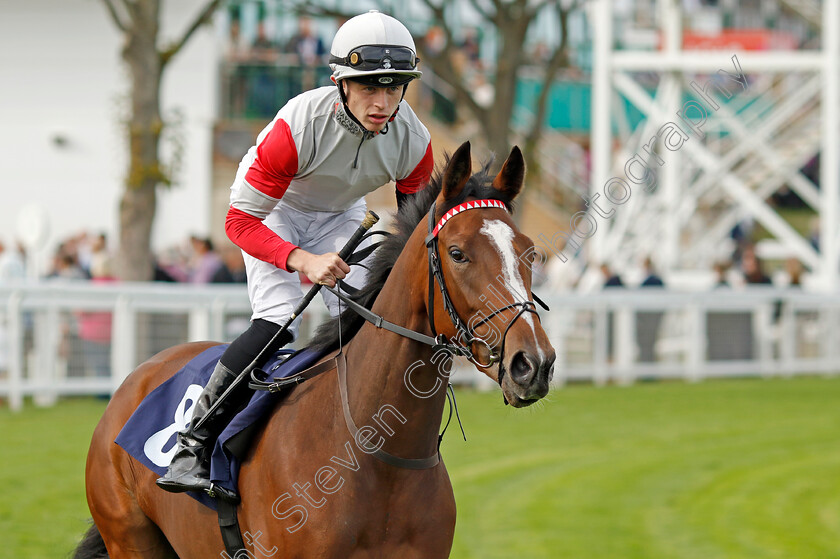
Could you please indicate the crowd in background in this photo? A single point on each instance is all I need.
(87, 256)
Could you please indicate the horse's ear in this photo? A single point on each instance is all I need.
(457, 172)
(510, 178)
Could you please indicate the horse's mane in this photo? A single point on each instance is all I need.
(412, 212)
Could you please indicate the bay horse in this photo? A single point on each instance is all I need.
(307, 489)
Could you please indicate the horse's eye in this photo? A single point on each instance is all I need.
(458, 256)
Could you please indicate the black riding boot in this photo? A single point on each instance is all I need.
(190, 467)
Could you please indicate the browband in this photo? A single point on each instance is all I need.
(474, 205)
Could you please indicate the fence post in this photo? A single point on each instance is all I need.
(763, 327)
(624, 333)
(124, 345)
(600, 345)
(696, 352)
(199, 324)
(46, 359)
(787, 338)
(15, 310)
(217, 320)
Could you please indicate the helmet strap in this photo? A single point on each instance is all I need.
(393, 116)
(353, 117)
(347, 107)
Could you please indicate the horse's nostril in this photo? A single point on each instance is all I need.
(521, 368)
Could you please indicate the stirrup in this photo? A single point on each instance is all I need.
(218, 492)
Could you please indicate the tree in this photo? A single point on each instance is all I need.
(511, 20)
(139, 23)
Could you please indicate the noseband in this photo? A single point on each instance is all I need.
(467, 335)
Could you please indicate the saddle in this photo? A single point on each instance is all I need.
(149, 434)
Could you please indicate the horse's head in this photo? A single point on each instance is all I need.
(485, 264)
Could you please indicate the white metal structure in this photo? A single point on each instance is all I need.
(739, 126)
(613, 337)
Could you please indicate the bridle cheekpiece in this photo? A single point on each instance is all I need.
(465, 334)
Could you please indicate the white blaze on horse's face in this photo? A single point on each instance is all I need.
(501, 236)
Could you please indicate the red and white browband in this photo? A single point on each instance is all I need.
(474, 205)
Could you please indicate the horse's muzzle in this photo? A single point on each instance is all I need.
(530, 376)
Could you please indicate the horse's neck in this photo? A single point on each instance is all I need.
(392, 379)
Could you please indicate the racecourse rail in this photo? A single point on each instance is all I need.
(618, 336)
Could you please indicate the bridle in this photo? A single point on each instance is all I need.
(467, 334)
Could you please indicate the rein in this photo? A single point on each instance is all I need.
(466, 334)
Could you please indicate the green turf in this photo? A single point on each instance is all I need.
(43, 511)
(745, 469)
(726, 469)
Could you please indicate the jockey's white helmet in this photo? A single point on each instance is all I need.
(375, 49)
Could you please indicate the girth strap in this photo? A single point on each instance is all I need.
(229, 527)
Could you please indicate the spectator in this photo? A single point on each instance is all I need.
(647, 323)
(730, 334)
(720, 271)
(172, 265)
(610, 279)
(205, 262)
(308, 47)
(435, 40)
(263, 48)
(66, 263)
(793, 267)
(232, 269)
(99, 257)
(237, 51)
(94, 328)
(11, 264)
(652, 279)
(752, 267)
(471, 48)
(309, 51)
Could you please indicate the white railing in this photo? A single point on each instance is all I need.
(47, 349)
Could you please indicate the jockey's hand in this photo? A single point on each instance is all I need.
(322, 269)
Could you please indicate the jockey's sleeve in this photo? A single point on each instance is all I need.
(419, 177)
(266, 181)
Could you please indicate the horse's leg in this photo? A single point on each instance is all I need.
(126, 530)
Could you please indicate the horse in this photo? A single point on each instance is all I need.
(311, 485)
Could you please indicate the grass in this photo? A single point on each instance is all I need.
(722, 469)
(43, 511)
(725, 469)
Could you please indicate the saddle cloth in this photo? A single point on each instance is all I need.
(149, 434)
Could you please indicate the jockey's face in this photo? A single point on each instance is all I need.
(372, 106)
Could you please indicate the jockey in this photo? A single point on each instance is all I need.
(298, 197)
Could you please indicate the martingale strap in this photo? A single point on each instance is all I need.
(336, 361)
(379, 454)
